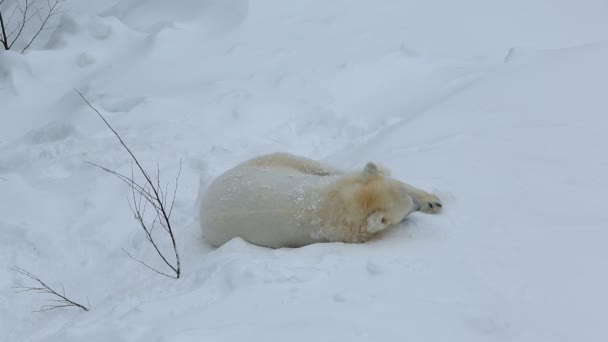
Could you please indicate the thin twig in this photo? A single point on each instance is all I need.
(179, 172)
(27, 10)
(153, 194)
(10, 18)
(21, 25)
(4, 38)
(146, 265)
(129, 181)
(54, 9)
(62, 302)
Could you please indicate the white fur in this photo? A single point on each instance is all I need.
(282, 200)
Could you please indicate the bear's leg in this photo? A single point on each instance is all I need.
(428, 203)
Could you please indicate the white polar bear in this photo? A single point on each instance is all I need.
(283, 200)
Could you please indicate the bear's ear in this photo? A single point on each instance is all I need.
(383, 170)
(376, 222)
(370, 170)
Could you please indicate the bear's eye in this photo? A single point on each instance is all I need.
(384, 221)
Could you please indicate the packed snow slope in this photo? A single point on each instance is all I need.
(498, 107)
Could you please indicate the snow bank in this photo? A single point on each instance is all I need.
(499, 108)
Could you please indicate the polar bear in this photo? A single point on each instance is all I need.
(284, 200)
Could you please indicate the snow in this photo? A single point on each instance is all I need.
(498, 107)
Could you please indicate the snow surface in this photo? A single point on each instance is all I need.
(498, 107)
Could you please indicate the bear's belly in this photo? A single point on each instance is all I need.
(269, 207)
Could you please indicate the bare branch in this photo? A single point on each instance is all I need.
(148, 266)
(129, 181)
(62, 302)
(21, 25)
(10, 18)
(179, 172)
(53, 307)
(27, 9)
(54, 9)
(4, 38)
(152, 192)
(51, 27)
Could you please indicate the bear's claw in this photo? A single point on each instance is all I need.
(430, 204)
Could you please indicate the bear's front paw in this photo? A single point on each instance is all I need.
(429, 204)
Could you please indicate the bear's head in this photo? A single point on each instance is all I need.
(384, 198)
(370, 199)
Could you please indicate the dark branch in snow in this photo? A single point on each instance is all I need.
(43, 288)
(3, 37)
(27, 10)
(53, 10)
(150, 193)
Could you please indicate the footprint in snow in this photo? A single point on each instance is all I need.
(373, 268)
(84, 60)
(120, 105)
(55, 131)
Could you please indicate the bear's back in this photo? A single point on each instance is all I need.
(270, 206)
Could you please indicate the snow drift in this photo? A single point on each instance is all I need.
(499, 108)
